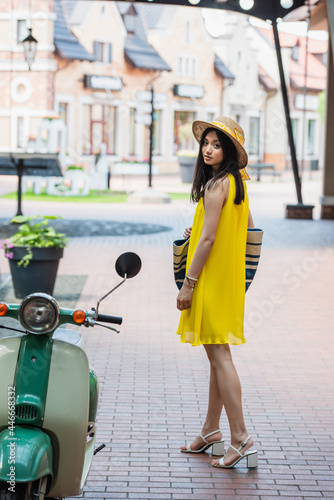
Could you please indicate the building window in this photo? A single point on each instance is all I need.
(102, 52)
(179, 65)
(63, 115)
(63, 112)
(310, 137)
(99, 126)
(254, 135)
(187, 32)
(193, 66)
(132, 132)
(20, 132)
(22, 30)
(183, 137)
(187, 65)
(156, 146)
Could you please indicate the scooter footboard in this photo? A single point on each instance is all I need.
(25, 455)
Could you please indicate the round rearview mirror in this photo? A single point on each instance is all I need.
(128, 264)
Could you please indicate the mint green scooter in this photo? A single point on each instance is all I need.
(49, 396)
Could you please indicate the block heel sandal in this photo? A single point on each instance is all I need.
(251, 456)
(218, 447)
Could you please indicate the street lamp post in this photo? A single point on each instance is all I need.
(29, 47)
(151, 138)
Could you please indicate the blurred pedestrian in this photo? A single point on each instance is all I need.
(213, 293)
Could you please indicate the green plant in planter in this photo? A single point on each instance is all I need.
(77, 168)
(33, 232)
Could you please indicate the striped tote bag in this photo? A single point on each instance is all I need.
(180, 252)
(253, 252)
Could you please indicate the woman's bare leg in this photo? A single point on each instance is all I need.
(230, 392)
(215, 407)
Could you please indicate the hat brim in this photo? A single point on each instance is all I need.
(199, 128)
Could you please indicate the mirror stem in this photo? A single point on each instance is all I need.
(106, 295)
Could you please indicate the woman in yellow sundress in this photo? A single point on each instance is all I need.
(213, 293)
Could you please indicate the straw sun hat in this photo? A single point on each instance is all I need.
(230, 128)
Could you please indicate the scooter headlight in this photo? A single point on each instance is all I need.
(39, 313)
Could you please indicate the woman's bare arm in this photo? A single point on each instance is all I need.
(250, 221)
(215, 199)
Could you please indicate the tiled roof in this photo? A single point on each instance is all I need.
(66, 43)
(317, 46)
(316, 70)
(290, 40)
(123, 7)
(222, 70)
(316, 73)
(76, 10)
(140, 54)
(69, 6)
(152, 14)
(133, 23)
(266, 81)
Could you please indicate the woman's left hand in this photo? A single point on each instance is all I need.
(187, 232)
(184, 297)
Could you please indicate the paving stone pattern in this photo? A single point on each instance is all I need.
(91, 228)
(67, 289)
(153, 390)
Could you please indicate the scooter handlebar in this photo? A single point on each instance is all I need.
(109, 319)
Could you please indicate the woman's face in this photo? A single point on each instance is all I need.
(212, 151)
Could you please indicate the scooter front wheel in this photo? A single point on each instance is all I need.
(21, 491)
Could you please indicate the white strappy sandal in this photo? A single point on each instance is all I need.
(251, 457)
(218, 447)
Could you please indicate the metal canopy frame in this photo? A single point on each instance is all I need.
(263, 9)
(40, 164)
(266, 10)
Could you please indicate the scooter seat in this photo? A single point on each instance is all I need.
(66, 335)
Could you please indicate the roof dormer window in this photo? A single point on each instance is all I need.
(129, 21)
(325, 58)
(295, 53)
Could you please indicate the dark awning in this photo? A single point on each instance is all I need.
(66, 43)
(140, 54)
(222, 70)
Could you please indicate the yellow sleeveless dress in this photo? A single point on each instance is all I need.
(216, 315)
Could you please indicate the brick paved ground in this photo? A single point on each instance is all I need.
(154, 389)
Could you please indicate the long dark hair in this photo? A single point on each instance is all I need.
(204, 176)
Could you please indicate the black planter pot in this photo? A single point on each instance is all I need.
(39, 275)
